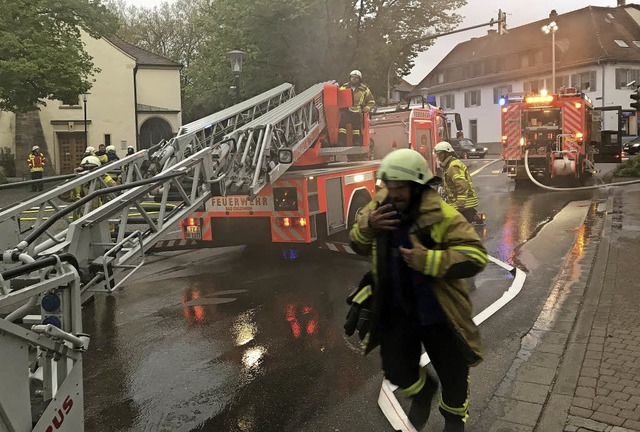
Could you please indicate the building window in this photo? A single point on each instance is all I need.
(524, 60)
(476, 69)
(472, 98)
(440, 77)
(637, 43)
(538, 57)
(71, 104)
(562, 81)
(585, 81)
(107, 139)
(625, 76)
(621, 43)
(500, 65)
(500, 91)
(448, 101)
(466, 72)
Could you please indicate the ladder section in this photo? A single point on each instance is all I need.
(257, 159)
(212, 129)
(13, 226)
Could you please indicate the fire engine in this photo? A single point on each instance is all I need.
(558, 130)
(419, 126)
(313, 191)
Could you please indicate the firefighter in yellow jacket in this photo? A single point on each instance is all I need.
(420, 249)
(363, 101)
(457, 182)
(89, 163)
(36, 162)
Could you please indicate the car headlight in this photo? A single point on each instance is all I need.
(473, 150)
(636, 145)
(485, 149)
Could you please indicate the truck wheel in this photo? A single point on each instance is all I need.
(359, 200)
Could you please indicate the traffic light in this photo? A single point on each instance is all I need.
(502, 22)
(636, 97)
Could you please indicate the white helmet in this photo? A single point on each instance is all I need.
(89, 150)
(443, 146)
(404, 165)
(88, 161)
(356, 72)
(111, 149)
(35, 147)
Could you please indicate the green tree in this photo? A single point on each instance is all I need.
(298, 41)
(41, 54)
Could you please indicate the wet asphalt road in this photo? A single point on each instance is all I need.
(228, 340)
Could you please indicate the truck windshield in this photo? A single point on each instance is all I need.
(543, 118)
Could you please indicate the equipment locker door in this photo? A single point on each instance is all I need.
(425, 140)
(335, 206)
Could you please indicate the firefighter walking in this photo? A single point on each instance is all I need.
(363, 101)
(36, 162)
(414, 296)
(457, 183)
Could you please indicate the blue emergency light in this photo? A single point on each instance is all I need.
(502, 100)
(431, 100)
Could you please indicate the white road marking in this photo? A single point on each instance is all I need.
(484, 166)
(387, 399)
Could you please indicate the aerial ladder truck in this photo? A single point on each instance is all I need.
(49, 268)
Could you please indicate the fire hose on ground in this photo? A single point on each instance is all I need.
(556, 189)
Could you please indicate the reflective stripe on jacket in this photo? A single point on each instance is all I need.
(36, 162)
(458, 184)
(362, 98)
(454, 252)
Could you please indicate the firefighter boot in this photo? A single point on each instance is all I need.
(357, 140)
(453, 425)
(421, 404)
(342, 139)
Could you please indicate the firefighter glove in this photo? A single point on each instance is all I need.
(359, 315)
(416, 257)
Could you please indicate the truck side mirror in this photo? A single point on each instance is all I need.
(458, 120)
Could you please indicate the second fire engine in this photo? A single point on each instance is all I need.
(558, 130)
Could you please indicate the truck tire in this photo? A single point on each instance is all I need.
(359, 200)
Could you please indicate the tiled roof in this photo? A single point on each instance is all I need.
(584, 37)
(403, 86)
(142, 56)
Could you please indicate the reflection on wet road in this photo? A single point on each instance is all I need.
(232, 350)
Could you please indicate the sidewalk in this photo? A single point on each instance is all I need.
(578, 369)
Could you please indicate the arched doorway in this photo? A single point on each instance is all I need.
(153, 131)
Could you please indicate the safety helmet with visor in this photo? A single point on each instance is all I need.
(403, 166)
(443, 146)
(356, 73)
(90, 162)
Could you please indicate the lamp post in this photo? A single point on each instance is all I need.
(552, 28)
(84, 103)
(236, 57)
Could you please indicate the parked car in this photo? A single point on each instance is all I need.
(632, 147)
(465, 149)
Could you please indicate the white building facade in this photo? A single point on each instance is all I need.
(473, 77)
(134, 101)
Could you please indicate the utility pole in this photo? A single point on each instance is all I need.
(502, 25)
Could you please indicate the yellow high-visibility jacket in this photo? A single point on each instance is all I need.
(363, 100)
(458, 184)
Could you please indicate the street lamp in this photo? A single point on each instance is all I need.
(84, 103)
(236, 57)
(552, 28)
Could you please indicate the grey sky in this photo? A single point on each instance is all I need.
(519, 12)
